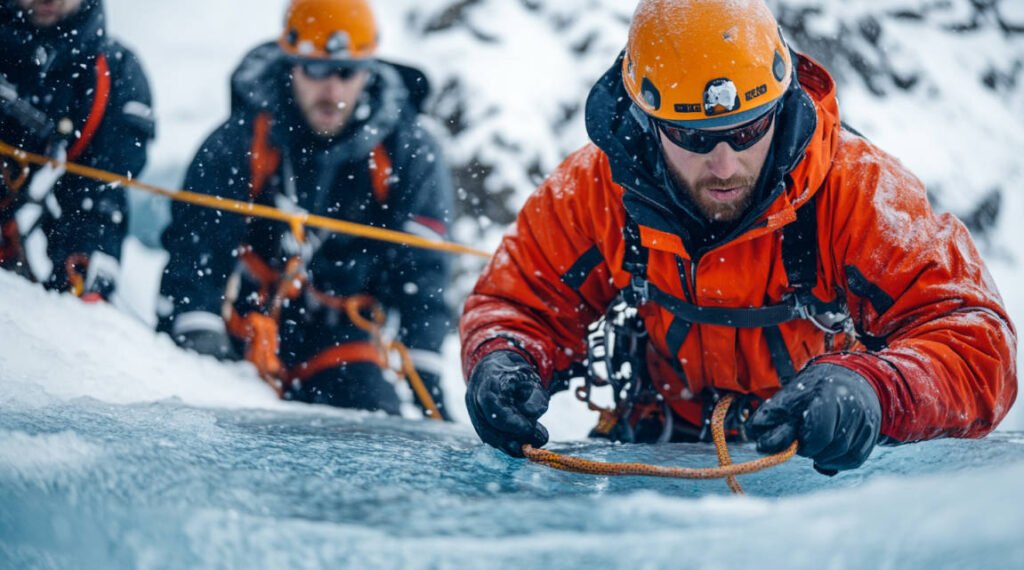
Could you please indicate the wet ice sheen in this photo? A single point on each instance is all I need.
(164, 485)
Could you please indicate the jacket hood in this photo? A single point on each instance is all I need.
(804, 143)
(393, 96)
(25, 48)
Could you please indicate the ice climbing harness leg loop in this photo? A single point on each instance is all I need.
(405, 368)
(293, 279)
(726, 469)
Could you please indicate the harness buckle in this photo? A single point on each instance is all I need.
(826, 321)
(804, 309)
(641, 288)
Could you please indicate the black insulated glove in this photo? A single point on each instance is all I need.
(831, 410)
(505, 398)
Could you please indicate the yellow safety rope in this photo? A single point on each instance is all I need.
(23, 158)
(726, 469)
(296, 222)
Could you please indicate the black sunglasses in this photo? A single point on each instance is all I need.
(320, 70)
(703, 141)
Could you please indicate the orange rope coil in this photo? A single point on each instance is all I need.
(405, 369)
(726, 469)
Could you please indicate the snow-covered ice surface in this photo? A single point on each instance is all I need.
(118, 450)
(165, 485)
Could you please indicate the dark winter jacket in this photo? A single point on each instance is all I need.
(937, 344)
(383, 170)
(77, 75)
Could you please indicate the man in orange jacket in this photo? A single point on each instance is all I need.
(769, 252)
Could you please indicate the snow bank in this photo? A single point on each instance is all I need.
(71, 349)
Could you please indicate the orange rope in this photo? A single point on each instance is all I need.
(726, 469)
(15, 184)
(296, 221)
(72, 267)
(406, 370)
(718, 436)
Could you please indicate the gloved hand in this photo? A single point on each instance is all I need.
(101, 278)
(432, 382)
(505, 398)
(831, 410)
(208, 342)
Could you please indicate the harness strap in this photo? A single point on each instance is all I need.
(800, 248)
(381, 171)
(336, 357)
(10, 242)
(800, 260)
(634, 260)
(264, 158)
(636, 255)
(99, 108)
(753, 318)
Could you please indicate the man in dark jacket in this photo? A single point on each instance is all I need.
(70, 91)
(318, 125)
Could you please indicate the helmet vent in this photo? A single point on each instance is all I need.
(339, 44)
(651, 94)
(779, 67)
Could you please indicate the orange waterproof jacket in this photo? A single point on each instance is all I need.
(942, 348)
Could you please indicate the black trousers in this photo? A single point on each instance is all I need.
(358, 385)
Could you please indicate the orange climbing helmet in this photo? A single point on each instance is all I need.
(343, 30)
(705, 64)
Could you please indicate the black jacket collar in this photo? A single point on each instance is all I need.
(637, 164)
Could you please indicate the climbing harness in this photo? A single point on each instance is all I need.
(617, 346)
(261, 331)
(800, 261)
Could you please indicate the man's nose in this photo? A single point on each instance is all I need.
(335, 88)
(723, 161)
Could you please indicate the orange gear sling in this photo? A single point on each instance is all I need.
(261, 332)
(298, 223)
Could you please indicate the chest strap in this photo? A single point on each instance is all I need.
(98, 110)
(800, 259)
(795, 307)
(264, 158)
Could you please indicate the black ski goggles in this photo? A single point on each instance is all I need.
(320, 70)
(703, 141)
